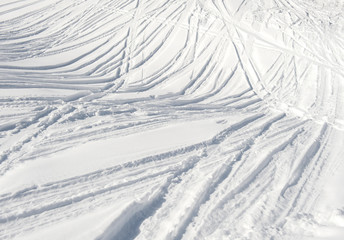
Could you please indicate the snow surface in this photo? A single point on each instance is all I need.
(160, 119)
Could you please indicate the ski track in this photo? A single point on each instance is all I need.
(73, 72)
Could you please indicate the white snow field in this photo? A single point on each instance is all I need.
(171, 119)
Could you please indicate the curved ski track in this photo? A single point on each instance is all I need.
(79, 71)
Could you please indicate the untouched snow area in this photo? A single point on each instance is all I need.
(171, 119)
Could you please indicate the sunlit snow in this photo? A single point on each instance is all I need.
(161, 119)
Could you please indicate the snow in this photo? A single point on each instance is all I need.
(103, 153)
(163, 119)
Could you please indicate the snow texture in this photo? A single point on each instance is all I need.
(171, 119)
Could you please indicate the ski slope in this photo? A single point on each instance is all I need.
(171, 119)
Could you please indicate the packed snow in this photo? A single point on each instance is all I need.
(171, 119)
